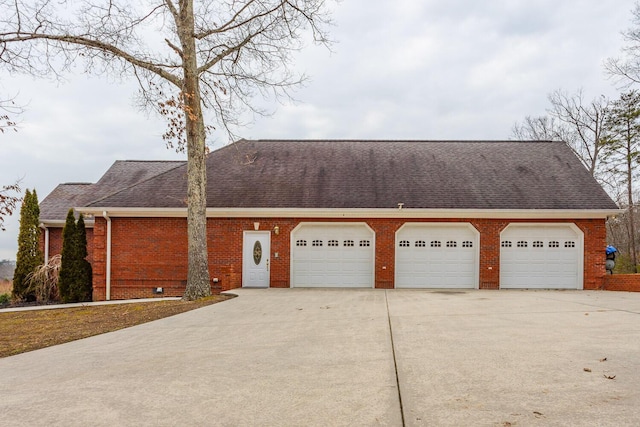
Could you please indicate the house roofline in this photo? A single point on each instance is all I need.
(357, 213)
(88, 223)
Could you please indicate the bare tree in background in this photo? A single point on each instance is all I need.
(581, 124)
(539, 128)
(622, 147)
(585, 123)
(9, 194)
(9, 110)
(186, 55)
(9, 199)
(626, 69)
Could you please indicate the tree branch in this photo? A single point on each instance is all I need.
(225, 53)
(227, 26)
(172, 9)
(156, 68)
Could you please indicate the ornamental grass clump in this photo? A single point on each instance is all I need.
(43, 281)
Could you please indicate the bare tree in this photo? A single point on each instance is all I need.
(623, 149)
(9, 194)
(581, 124)
(9, 110)
(626, 69)
(9, 199)
(585, 122)
(196, 55)
(538, 128)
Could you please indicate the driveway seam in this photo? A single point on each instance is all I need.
(594, 305)
(395, 362)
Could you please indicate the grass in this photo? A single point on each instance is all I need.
(24, 331)
(6, 286)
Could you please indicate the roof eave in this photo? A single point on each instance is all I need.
(356, 213)
(88, 223)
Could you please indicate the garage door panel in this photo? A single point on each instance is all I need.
(436, 255)
(340, 255)
(541, 256)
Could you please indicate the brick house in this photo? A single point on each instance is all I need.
(370, 214)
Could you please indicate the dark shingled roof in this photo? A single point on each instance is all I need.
(55, 206)
(381, 174)
(122, 174)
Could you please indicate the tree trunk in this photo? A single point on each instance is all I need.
(198, 269)
(632, 225)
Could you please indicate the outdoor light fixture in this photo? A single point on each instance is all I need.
(276, 229)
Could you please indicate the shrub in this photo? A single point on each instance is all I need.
(29, 255)
(43, 282)
(75, 283)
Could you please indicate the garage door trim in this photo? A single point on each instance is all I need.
(292, 243)
(442, 225)
(579, 243)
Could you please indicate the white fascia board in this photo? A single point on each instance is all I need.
(359, 213)
(57, 223)
(135, 212)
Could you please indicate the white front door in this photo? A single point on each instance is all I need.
(256, 248)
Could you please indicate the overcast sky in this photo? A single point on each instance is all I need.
(401, 69)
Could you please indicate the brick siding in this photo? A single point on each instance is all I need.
(55, 242)
(622, 282)
(148, 253)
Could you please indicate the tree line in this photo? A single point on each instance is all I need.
(604, 134)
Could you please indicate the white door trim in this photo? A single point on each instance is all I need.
(265, 281)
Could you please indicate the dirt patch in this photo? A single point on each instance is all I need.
(24, 331)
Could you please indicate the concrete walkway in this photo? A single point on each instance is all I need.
(84, 304)
(289, 357)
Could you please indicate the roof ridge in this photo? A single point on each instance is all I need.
(152, 161)
(76, 183)
(444, 141)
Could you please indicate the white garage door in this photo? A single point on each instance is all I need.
(541, 256)
(436, 255)
(332, 255)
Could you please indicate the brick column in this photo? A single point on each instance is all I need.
(489, 252)
(99, 259)
(594, 256)
(385, 257)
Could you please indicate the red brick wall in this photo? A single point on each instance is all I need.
(489, 251)
(152, 252)
(99, 259)
(622, 282)
(594, 258)
(385, 262)
(55, 242)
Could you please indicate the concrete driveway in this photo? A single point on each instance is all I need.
(281, 357)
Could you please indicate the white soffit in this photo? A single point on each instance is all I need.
(357, 213)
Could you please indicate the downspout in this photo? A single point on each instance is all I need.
(108, 266)
(46, 243)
